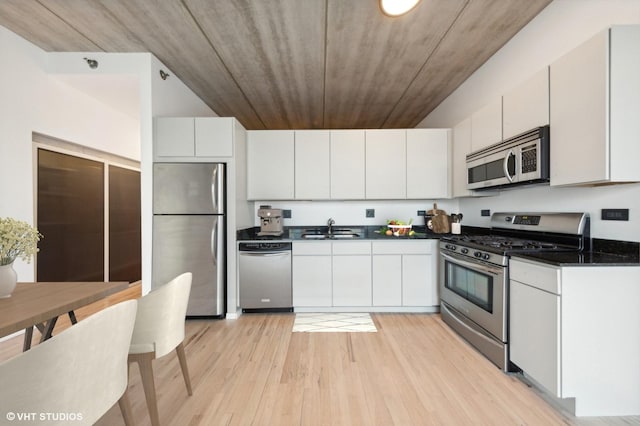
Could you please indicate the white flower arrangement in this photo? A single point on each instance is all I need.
(17, 239)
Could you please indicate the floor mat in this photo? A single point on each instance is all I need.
(334, 322)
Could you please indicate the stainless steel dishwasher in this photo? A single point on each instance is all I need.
(265, 276)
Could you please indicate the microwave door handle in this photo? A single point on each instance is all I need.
(505, 165)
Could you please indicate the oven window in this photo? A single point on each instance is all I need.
(470, 284)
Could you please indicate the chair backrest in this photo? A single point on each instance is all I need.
(161, 316)
(77, 375)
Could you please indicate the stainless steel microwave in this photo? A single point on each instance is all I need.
(523, 159)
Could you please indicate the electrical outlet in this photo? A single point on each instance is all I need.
(371, 212)
(615, 214)
(422, 213)
(286, 214)
(485, 212)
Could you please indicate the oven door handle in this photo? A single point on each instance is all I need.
(472, 265)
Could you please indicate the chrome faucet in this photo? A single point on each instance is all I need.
(330, 224)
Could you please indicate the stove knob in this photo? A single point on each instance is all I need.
(464, 251)
(486, 256)
(477, 254)
(450, 247)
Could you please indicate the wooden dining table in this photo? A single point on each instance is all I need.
(40, 304)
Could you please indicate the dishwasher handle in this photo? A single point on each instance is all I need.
(264, 253)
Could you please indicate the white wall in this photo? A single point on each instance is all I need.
(38, 95)
(316, 213)
(33, 101)
(561, 26)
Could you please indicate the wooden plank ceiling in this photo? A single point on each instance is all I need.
(290, 64)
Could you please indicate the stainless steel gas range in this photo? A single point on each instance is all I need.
(474, 273)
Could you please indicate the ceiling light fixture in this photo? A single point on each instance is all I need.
(93, 64)
(395, 8)
(163, 75)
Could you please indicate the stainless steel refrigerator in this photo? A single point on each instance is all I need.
(189, 232)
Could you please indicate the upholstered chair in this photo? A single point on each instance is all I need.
(76, 376)
(159, 329)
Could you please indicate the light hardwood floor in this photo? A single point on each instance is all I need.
(413, 371)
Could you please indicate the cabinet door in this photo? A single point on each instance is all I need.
(312, 177)
(352, 280)
(534, 334)
(461, 147)
(270, 165)
(174, 137)
(214, 136)
(578, 83)
(418, 281)
(428, 163)
(387, 280)
(347, 164)
(386, 164)
(486, 125)
(312, 281)
(526, 106)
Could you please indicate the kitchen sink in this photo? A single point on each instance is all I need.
(314, 236)
(323, 234)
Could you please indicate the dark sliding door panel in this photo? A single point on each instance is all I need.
(125, 262)
(71, 218)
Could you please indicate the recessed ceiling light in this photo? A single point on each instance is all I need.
(397, 7)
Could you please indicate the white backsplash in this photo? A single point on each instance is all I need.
(316, 213)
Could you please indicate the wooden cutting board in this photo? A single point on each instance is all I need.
(440, 221)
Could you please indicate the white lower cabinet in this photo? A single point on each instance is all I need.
(419, 280)
(351, 263)
(311, 271)
(351, 280)
(387, 280)
(378, 275)
(563, 337)
(405, 273)
(535, 334)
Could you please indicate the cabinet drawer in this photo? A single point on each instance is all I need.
(402, 247)
(351, 247)
(310, 248)
(536, 275)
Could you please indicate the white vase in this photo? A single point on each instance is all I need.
(8, 279)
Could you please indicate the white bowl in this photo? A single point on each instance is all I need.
(399, 229)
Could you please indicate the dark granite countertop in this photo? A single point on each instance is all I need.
(602, 253)
(294, 233)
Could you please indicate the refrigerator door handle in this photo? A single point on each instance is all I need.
(217, 238)
(218, 188)
(214, 190)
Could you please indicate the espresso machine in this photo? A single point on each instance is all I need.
(270, 221)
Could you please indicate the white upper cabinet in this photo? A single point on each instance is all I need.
(595, 105)
(214, 136)
(347, 164)
(386, 164)
(193, 137)
(461, 147)
(312, 164)
(270, 165)
(486, 125)
(428, 163)
(174, 137)
(526, 106)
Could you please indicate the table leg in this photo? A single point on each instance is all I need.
(28, 335)
(48, 329)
